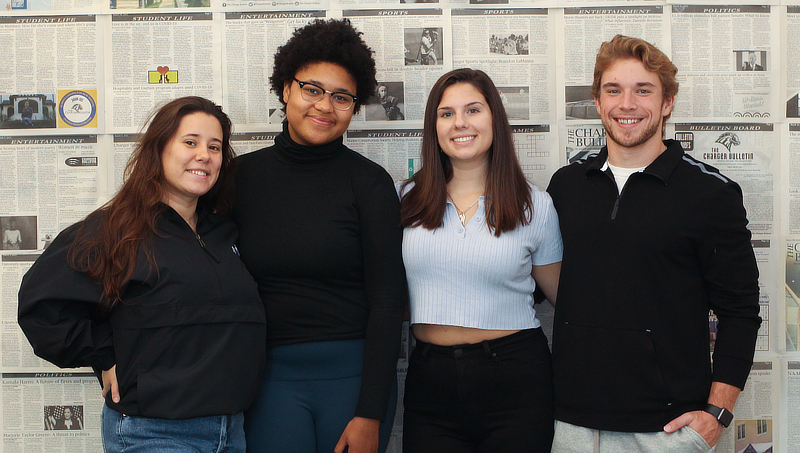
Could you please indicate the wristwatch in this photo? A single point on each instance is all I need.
(723, 416)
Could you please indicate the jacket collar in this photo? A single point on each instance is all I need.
(170, 221)
(662, 168)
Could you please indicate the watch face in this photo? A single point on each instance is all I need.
(725, 417)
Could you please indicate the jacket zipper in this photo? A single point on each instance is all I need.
(203, 246)
(619, 193)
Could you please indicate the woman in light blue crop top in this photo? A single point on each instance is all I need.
(478, 239)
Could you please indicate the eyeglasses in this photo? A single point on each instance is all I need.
(314, 93)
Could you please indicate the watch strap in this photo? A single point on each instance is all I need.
(723, 416)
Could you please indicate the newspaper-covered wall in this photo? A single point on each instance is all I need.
(87, 73)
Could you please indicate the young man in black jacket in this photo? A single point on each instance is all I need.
(653, 239)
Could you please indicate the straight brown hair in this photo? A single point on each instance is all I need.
(508, 198)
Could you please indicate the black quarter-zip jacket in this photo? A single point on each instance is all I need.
(188, 340)
(640, 272)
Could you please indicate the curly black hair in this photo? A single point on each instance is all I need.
(333, 41)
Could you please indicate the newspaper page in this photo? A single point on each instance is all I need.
(45, 410)
(790, 395)
(790, 178)
(757, 411)
(48, 183)
(412, 50)
(51, 78)
(581, 140)
(791, 56)
(727, 62)
(396, 150)
(121, 148)
(537, 152)
(250, 41)
(516, 47)
(31, 6)
(51, 412)
(247, 142)
(767, 252)
(152, 58)
(584, 29)
(744, 152)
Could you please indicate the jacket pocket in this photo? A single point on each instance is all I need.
(609, 370)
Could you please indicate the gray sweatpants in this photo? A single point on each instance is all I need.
(577, 439)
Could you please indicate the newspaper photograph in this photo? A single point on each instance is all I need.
(41, 87)
(157, 57)
(520, 61)
(727, 64)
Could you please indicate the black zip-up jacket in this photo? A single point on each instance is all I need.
(640, 272)
(189, 338)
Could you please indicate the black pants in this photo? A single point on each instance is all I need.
(492, 397)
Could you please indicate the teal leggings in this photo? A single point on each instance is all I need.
(307, 397)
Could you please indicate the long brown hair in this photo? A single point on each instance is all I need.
(508, 199)
(107, 243)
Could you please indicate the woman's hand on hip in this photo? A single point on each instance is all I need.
(110, 383)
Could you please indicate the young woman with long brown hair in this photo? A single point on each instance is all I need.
(478, 240)
(149, 291)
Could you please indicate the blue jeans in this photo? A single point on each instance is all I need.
(127, 434)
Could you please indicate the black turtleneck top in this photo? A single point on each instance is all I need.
(320, 232)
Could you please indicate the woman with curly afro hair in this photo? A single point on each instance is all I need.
(320, 233)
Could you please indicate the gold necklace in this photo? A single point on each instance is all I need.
(462, 215)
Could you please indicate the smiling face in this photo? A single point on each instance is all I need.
(67, 413)
(632, 105)
(318, 123)
(464, 125)
(192, 159)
